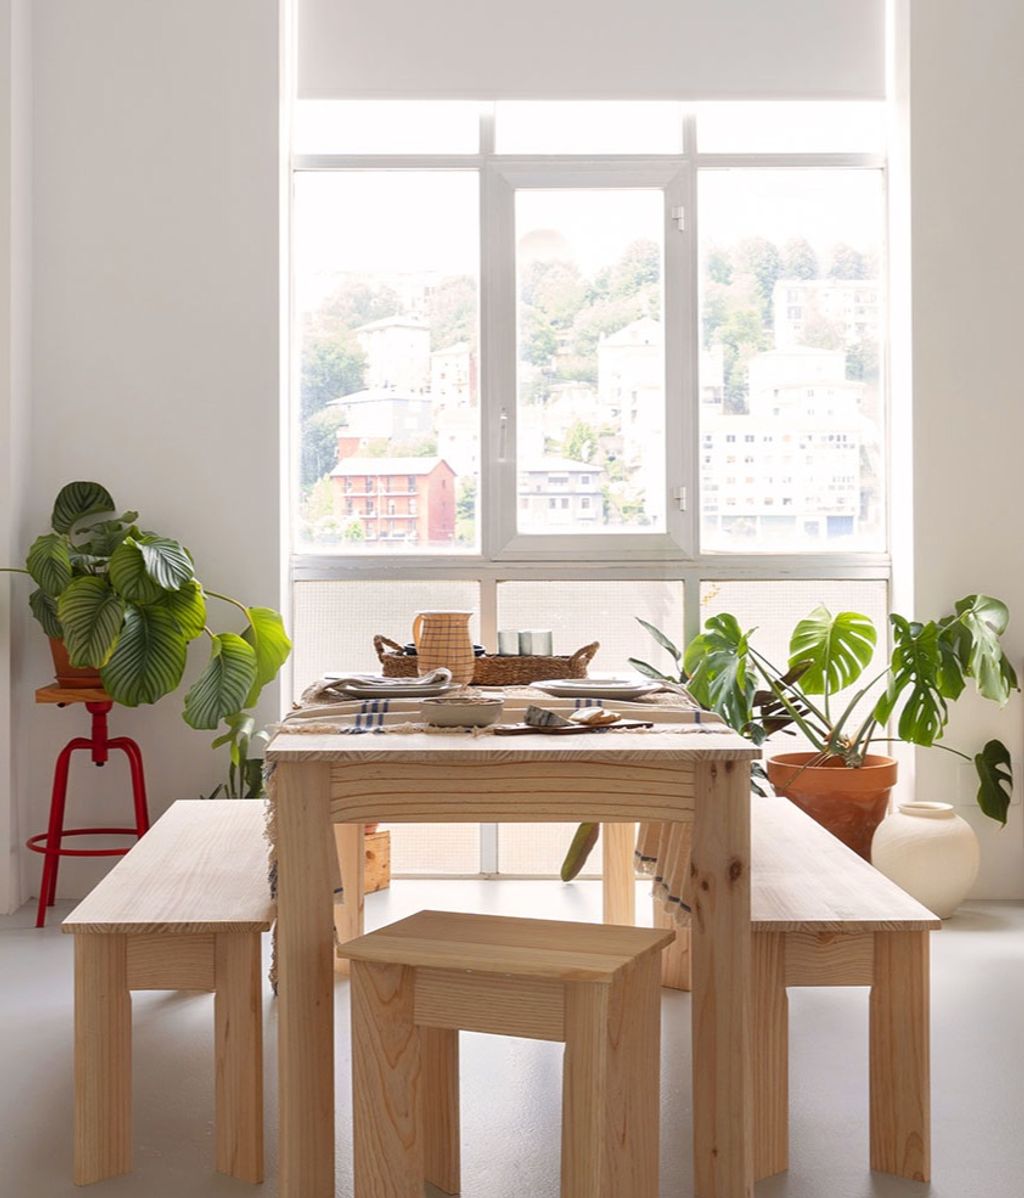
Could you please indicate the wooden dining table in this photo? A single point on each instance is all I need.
(678, 775)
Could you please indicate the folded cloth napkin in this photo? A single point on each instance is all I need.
(335, 682)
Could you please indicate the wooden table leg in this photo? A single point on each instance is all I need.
(350, 841)
(899, 1056)
(305, 937)
(771, 1055)
(238, 1040)
(618, 879)
(721, 1007)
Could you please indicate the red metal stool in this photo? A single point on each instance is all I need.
(98, 703)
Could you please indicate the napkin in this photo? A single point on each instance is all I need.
(384, 684)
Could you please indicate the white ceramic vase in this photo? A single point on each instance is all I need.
(929, 851)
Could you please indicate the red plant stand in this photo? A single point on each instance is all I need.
(98, 703)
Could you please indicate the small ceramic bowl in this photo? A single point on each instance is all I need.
(454, 712)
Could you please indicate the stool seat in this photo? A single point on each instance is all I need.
(537, 948)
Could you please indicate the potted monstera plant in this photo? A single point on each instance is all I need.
(121, 605)
(842, 780)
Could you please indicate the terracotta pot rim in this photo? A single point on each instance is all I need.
(872, 762)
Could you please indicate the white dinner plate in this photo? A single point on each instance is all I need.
(394, 692)
(598, 688)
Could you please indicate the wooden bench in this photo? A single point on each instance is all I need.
(183, 910)
(822, 916)
(416, 983)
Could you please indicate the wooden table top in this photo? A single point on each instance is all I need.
(68, 694)
(680, 743)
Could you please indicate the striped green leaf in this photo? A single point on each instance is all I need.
(128, 573)
(49, 563)
(91, 613)
(223, 686)
(76, 501)
(44, 608)
(267, 636)
(188, 607)
(168, 563)
(149, 659)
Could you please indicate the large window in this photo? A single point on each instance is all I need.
(568, 364)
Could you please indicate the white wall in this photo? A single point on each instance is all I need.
(966, 96)
(155, 328)
(15, 347)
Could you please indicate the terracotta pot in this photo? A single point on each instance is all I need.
(849, 803)
(72, 677)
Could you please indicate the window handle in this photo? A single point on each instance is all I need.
(503, 435)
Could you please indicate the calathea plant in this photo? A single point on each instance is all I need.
(127, 603)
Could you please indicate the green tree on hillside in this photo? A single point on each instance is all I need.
(799, 261)
(848, 263)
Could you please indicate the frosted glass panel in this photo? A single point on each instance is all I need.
(334, 622)
(779, 127)
(588, 127)
(580, 612)
(435, 848)
(539, 849)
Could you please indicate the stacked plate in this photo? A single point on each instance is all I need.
(598, 688)
(377, 686)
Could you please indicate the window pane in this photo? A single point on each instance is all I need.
(334, 622)
(591, 361)
(792, 455)
(791, 126)
(539, 849)
(386, 127)
(386, 300)
(434, 849)
(579, 612)
(588, 127)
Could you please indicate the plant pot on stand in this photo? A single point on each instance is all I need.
(850, 803)
(69, 676)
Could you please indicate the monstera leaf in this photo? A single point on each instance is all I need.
(224, 684)
(916, 663)
(720, 677)
(76, 501)
(149, 659)
(91, 612)
(995, 774)
(49, 563)
(834, 649)
(270, 642)
(972, 637)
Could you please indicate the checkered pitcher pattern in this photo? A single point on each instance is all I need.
(442, 639)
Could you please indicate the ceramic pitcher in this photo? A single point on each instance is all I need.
(442, 639)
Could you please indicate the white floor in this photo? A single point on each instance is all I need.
(511, 1088)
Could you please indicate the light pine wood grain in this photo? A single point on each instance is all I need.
(611, 1100)
(387, 1111)
(540, 948)
(377, 862)
(807, 880)
(721, 956)
(771, 1055)
(498, 1004)
(171, 962)
(675, 957)
(71, 694)
(305, 938)
(828, 958)
(439, 1052)
(900, 1057)
(349, 914)
(618, 875)
(202, 867)
(103, 1059)
(238, 1056)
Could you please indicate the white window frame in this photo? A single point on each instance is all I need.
(505, 555)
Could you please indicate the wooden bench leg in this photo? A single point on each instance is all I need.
(103, 1058)
(439, 1048)
(771, 1055)
(238, 1019)
(386, 1083)
(350, 843)
(899, 1071)
(611, 1100)
(618, 876)
(675, 957)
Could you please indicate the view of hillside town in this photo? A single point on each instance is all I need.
(790, 409)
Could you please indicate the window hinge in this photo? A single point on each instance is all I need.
(679, 495)
(679, 216)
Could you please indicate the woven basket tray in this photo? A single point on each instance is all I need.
(493, 671)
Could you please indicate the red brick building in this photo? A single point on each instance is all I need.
(408, 501)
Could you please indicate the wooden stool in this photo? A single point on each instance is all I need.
(416, 983)
(182, 911)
